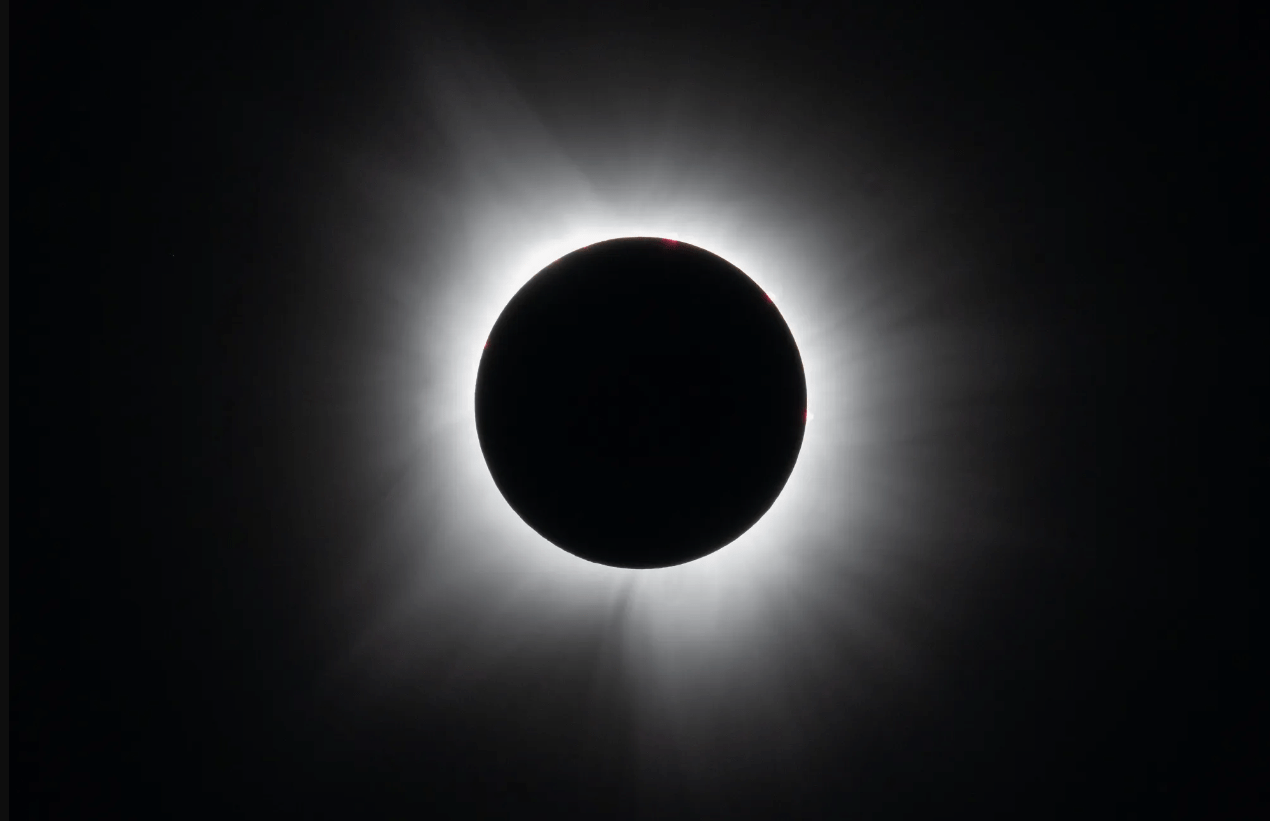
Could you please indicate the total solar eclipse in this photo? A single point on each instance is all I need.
(640, 403)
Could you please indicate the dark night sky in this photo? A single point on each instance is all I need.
(194, 291)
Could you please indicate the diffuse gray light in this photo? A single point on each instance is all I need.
(833, 602)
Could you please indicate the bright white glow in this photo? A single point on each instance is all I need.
(853, 564)
(695, 611)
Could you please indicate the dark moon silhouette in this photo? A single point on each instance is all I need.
(640, 403)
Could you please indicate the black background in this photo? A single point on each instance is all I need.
(165, 592)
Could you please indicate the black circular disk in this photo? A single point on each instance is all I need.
(640, 403)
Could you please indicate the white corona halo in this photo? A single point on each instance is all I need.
(836, 568)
